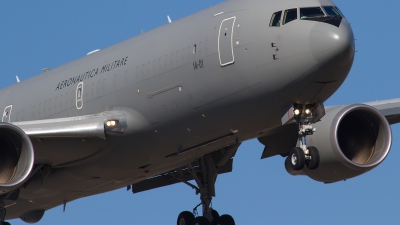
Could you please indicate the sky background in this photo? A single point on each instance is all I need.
(46, 33)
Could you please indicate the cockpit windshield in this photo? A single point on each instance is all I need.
(306, 13)
(332, 11)
(290, 15)
(276, 19)
(325, 14)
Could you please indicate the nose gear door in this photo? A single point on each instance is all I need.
(225, 42)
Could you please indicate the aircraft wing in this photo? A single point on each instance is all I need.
(76, 127)
(389, 108)
(277, 141)
(89, 126)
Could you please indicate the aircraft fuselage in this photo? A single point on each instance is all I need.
(215, 78)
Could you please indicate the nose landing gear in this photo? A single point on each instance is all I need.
(305, 116)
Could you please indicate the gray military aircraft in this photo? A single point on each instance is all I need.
(163, 108)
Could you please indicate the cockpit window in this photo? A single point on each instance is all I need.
(340, 12)
(306, 13)
(331, 11)
(290, 15)
(276, 19)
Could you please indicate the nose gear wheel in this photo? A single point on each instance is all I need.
(305, 116)
(297, 158)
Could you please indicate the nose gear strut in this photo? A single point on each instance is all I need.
(305, 116)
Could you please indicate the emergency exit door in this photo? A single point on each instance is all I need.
(225, 42)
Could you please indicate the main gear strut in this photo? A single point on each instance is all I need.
(205, 174)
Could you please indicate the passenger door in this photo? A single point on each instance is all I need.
(225, 42)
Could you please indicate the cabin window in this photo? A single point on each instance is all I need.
(306, 13)
(66, 101)
(166, 63)
(50, 105)
(55, 104)
(115, 81)
(126, 77)
(154, 67)
(40, 110)
(148, 74)
(92, 91)
(61, 101)
(276, 19)
(34, 111)
(177, 58)
(183, 55)
(72, 97)
(200, 47)
(98, 88)
(289, 16)
(87, 92)
(104, 85)
(171, 61)
(189, 52)
(44, 108)
(160, 65)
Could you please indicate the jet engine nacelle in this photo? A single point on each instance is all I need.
(351, 140)
(16, 157)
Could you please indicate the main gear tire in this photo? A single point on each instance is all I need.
(185, 218)
(201, 220)
(226, 220)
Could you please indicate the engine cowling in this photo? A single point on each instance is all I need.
(16, 157)
(351, 140)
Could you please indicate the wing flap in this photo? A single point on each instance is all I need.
(173, 177)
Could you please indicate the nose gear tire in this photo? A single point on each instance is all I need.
(297, 158)
(313, 163)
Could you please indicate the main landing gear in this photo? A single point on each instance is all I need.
(205, 175)
(305, 116)
(3, 213)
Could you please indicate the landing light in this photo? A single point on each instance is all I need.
(112, 123)
(296, 112)
(308, 111)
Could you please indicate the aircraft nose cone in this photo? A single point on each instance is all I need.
(329, 42)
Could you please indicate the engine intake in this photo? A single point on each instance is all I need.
(16, 157)
(351, 140)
